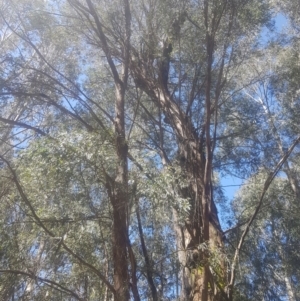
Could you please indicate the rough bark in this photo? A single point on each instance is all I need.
(201, 232)
(118, 187)
(202, 225)
(146, 257)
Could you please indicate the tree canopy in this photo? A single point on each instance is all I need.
(120, 121)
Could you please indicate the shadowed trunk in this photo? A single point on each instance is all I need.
(118, 187)
(201, 234)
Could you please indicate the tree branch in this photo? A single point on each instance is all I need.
(48, 282)
(267, 184)
(23, 125)
(49, 232)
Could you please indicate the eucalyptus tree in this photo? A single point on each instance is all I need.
(192, 98)
(49, 80)
(156, 82)
(268, 265)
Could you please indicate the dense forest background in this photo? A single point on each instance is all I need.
(120, 123)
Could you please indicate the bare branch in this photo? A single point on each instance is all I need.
(52, 102)
(50, 283)
(23, 125)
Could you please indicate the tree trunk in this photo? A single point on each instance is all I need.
(200, 279)
(200, 239)
(119, 203)
(118, 187)
(201, 235)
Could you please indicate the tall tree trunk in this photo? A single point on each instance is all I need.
(201, 232)
(119, 200)
(200, 237)
(118, 187)
(200, 280)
